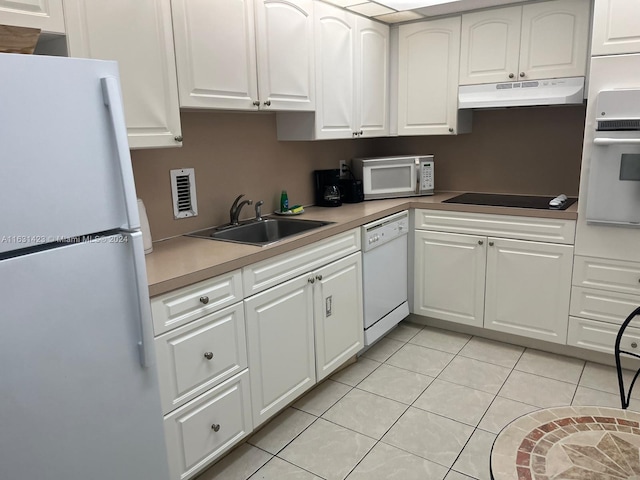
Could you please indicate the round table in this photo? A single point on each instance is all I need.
(563, 443)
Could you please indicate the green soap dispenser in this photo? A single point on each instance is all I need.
(284, 202)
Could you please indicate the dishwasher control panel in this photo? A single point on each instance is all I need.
(384, 230)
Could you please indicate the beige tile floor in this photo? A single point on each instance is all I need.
(421, 404)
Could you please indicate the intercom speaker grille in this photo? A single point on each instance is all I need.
(183, 191)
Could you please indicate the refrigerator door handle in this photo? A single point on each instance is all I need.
(616, 141)
(146, 329)
(113, 100)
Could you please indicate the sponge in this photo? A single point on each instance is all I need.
(296, 209)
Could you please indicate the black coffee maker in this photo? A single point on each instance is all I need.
(327, 183)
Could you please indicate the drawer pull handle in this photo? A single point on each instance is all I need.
(480, 242)
(311, 280)
(204, 299)
(634, 345)
(491, 244)
(318, 277)
(215, 427)
(208, 355)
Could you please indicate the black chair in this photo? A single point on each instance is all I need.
(625, 398)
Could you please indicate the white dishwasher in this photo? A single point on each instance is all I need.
(384, 268)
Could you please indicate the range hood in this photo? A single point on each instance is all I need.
(556, 91)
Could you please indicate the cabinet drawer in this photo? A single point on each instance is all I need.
(268, 273)
(602, 305)
(197, 356)
(600, 336)
(205, 428)
(611, 275)
(520, 228)
(181, 306)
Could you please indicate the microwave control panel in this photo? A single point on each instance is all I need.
(426, 182)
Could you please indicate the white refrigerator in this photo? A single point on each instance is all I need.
(79, 396)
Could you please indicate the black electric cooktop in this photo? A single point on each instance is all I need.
(518, 201)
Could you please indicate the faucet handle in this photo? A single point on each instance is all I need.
(258, 210)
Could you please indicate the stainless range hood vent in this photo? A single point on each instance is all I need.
(556, 91)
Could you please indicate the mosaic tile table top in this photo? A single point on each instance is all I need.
(566, 443)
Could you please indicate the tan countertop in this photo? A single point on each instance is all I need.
(181, 261)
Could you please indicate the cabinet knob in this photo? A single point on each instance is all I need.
(634, 345)
(491, 244)
(480, 242)
(267, 103)
(318, 277)
(450, 130)
(208, 355)
(215, 427)
(256, 103)
(511, 75)
(521, 74)
(360, 132)
(355, 134)
(204, 299)
(178, 138)
(311, 280)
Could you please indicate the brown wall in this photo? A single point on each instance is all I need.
(527, 151)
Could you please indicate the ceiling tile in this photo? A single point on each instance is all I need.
(371, 9)
(398, 17)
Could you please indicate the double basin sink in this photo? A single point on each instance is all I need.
(260, 232)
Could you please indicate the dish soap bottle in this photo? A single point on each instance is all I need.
(284, 202)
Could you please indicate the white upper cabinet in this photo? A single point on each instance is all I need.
(138, 35)
(286, 70)
(372, 78)
(335, 48)
(352, 72)
(46, 15)
(616, 27)
(224, 50)
(490, 45)
(428, 60)
(215, 53)
(535, 41)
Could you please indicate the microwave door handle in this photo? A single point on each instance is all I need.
(616, 141)
(417, 162)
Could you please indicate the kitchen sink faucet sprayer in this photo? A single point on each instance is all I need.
(258, 211)
(234, 213)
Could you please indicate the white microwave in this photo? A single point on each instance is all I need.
(393, 177)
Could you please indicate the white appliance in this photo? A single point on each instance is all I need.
(553, 91)
(614, 179)
(384, 268)
(80, 398)
(395, 177)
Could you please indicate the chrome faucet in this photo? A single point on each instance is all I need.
(234, 213)
(258, 211)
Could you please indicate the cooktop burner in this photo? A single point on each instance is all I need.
(519, 201)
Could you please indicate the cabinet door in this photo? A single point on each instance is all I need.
(216, 53)
(335, 95)
(280, 345)
(490, 46)
(372, 78)
(450, 276)
(139, 36)
(555, 36)
(428, 62)
(286, 69)
(46, 15)
(339, 328)
(528, 288)
(616, 27)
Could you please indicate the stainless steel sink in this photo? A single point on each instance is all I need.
(261, 232)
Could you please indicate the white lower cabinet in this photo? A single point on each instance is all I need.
(280, 344)
(515, 286)
(202, 430)
(604, 294)
(302, 330)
